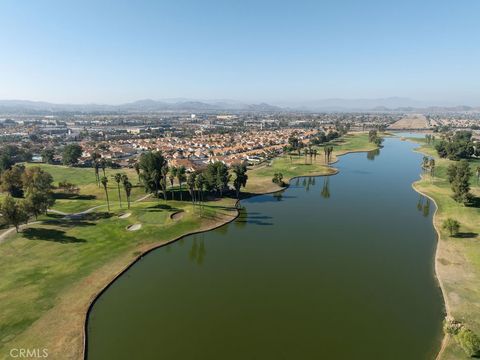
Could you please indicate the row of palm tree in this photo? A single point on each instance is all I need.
(127, 186)
(428, 164)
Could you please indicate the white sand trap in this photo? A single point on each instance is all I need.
(178, 215)
(134, 227)
(124, 216)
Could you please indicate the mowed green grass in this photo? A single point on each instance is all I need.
(458, 257)
(260, 178)
(51, 271)
(90, 194)
(352, 142)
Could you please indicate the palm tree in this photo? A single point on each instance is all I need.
(191, 185)
(156, 179)
(172, 174)
(163, 181)
(199, 184)
(127, 185)
(104, 182)
(96, 166)
(181, 176)
(136, 166)
(103, 165)
(305, 153)
(478, 173)
(95, 156)
(425, 163)
(431, 165)
(118, 178)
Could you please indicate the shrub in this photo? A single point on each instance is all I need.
(453, 226)
(468, 341)
(451, 326)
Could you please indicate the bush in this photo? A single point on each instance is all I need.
(451, 326)
(468, 341)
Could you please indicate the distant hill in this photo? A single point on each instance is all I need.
(394, 104)
(147, 105)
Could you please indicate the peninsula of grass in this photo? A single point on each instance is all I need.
(458, 257)
(52, 270)
(260, 177)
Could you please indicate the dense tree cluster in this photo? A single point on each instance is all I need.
(278, 179)
(322, 137)
(457, 146)
(154, 173)
(34, 185)
(459, 178)
(12, 154)
(71, 154)
(373, 137)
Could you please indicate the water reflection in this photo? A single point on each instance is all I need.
(278, 196)
(198, 251)
(371, 155)
(423, 205)
(326, 188)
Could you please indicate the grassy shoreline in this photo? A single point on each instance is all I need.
(457, 259)
(60, 267)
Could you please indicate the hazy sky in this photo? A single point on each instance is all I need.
(250, 50)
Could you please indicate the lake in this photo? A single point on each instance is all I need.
(338, 267)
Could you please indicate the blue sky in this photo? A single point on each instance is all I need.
(274, 51)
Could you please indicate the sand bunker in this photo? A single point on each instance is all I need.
(134, 227)
(177, 216)
(124, 216)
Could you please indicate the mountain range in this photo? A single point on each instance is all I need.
(189, 105)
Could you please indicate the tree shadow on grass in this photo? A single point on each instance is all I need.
(474, 202)
(94, 216)
(68, 223)
(50, 235)
(466, 235)
(64, 196)
(161, 207)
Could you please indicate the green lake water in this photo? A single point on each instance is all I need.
(338, 267)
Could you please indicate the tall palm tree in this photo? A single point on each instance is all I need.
(424, 163)
(191, 185)
(199, 184)
(103, 165)
(136, 166)
(95, 156)
(96, 166)
(127, 186)
(104, 182)
(431, 166)
(181, 176)
(156, 180)
(172, 174)
(118, 178)
(163, 180)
